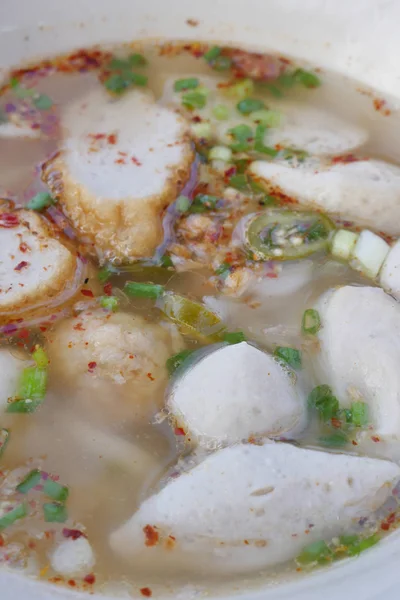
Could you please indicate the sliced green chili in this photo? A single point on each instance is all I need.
(55, 490)
(55, 512)
(19, 512)
(29, 482)
(144, 290)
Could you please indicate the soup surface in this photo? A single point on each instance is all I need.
(199, 326)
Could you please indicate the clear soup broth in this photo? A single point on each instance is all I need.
(236, 257)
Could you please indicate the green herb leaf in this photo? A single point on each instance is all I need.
(19, 512)
(259, 145)
(55, 490)
(221, 112)
(239, 182)
(186, 84)
(29, 482)
(144, 290)
(194, 100)
(291, 356)
(233, 337)
(311, 322)
(242, 137)
(177, 360)
(359, 414)
(41, 201)
(212, 53)
(317, 552)
(55, 512)
(43, 102)
(249, 105)
(4, 439)
(322, 399)
(109, 303)
(203, 203)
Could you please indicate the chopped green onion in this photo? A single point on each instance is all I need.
(186, 84)
(144, 290)
(221, 112)
(345, 415)
(268, 200)
(249, 105)
(19, 512)
(55, 490)
(239, 182)
(136, 60)
(4, 439)
(307, 78)
(109, 303)
(289, 153)
(359, 414)
(223, 270)
(317, 552)
(212, 53)
(195, 99)
(24, 406)
(242, 136)
(221, 63)
(362, 544)
(311, 322)
(273, 89)
(55, 512)
(286, 80)
(203, 203)
(240, 90)
(43, 102)
(32, 384)
(259, 145)
(201, 130)
(40, 357)
(105, 273)
(334, 440)
(40, 201)
(175, 361)
(182, 204)
(322, 399)
(269, 118)
(290, 355)
(120, 82)
(220, 153)
(29, 482)
(234, 337)
(166, 261)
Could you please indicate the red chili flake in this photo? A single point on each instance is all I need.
(8, 220)
(120, 161)
(192, 22)
(230, 172)
(112, 138)
(108, 289)
(375, 438)
(354, 442)
(23, 247)
(385, 525)
(381, 106)
(122, 153)
(179, 431)
(90, 579)
(1, 541)
(79, 327)
(72, 533)
(345, 158)
(136, 161)
(91, 366)
(151, 535)
(196, 119)
(150, 376)
(146, 592)
(22, 265)
(87, 293)
(271, 275)
(336, 422)
(42, 328)
(23, 333)
(71, 582)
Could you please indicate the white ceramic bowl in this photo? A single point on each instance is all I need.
(355, 37)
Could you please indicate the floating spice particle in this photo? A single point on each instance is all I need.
(146, 592)
(22, 265)
(150, 376)
(136, 161)
(375, 438)
(87, 293)
(151, 535)
(112, 138)
(179, 431)
(90, 579)
(23, 247)
(72, 582)
(91, 366)
(8, 220)
(74, 534)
